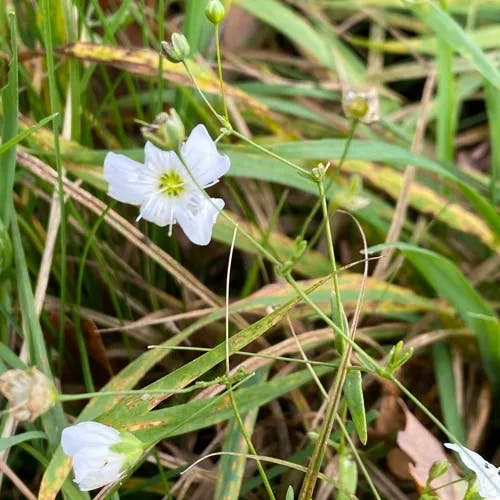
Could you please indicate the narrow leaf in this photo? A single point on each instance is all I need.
(353, 391)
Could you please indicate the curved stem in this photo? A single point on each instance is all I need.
(219, 70)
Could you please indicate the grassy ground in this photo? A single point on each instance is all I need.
(397, 241)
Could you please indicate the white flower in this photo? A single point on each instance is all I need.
(166, 191)
(100, 453)
(488, 476)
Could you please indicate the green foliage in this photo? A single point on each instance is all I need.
(84, 290)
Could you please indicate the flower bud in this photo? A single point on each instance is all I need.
(361, 105)
(101, 454)
(215, 11)
(177, 50)
(29, 391)
(5, 251)
(398, 356)
(167, 131)
(437, 469)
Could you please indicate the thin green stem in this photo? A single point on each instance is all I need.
(249, 443)
(316, 460)
(230, 131)
(205, 100)
(317, 205)
(245, 233)
(219, 70)
(300, 169)
(331, 252)
(422, 407)
(134, 392)
(229, 386)
(250, 355)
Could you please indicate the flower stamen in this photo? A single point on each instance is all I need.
(171, 183)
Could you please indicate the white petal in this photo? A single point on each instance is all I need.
(201, 156)
(100, 472)
(197, 221)
(159, 209)
(159, 160)
(87, 434)
(124, 178)
(488, 476)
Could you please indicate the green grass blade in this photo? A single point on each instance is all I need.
(446, 387)
(53, 420)
(493, 110)
(206, 413)
(446, 109)
(449, 282)
(23, 135)
(446, 28)
(8, 442)
(283, 19)
(10, 106)
(125, 408)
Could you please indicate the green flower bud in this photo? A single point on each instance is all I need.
(398, 356)
(177, 50)
(438, 468)
(361, 105)
(167, 131)
(215, 11)
(5, 251)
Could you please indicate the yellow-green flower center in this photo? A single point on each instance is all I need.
(171, 183)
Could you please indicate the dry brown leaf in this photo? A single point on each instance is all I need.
(424, 449)
(398, 463)
(390, 417)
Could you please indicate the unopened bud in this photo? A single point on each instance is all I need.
(398, 356)
(437, 469)
(215, 11)
(177, 50)
(29, 391)
(167, 130)
(361, 105)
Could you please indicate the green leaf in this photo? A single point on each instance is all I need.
(285, 20)
(445, 381)
(8, 442)
(200, 414)
(348, 477)
(10, 105)
(449, 282)
(125, 408)
(353, 391)
(446, 28)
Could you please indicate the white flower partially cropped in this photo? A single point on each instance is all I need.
(488, 476)
(166, 191)
(100, 453)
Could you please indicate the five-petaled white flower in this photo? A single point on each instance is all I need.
(101, 454)
(488, 476)
(164, 188)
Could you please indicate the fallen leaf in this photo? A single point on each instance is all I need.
(424, 449)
